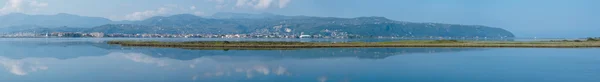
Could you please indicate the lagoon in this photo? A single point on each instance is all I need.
(92, 60)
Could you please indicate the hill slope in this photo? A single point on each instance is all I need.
(289, 25)
(58, 20)
(235, 23)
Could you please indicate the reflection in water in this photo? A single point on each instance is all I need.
(24, 58)
(20, 50)
(98, 62)
(58, 50)
(22, 67)
(322, 79)
(197, 69)
(248, 70)
(144, 59)
(316, 53)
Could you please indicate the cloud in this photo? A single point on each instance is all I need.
(168, 9)
(263, 4)
(144, 59)
(241, 3)
(37, 4)
(322, 79)
(283, 3)
(253, 4)
(147, 14)
(262, 69)
(22, 6)
(280, 70)
(219, 3)
(11, 6)
(21, 67)
(193, 8)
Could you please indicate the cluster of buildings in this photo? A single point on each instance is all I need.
(102, 35)
(75, 34)
(257, 35)
(55, 34)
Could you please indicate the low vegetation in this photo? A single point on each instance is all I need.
(593, 39)
(586, 40)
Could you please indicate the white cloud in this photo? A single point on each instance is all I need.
(144, 59)
(147, 14)
(262, 69)
(322, 79)
(169, 9)
(241, 3)
(253, 4)
(22, 6)
(220, 1)
(37, 4)
(283, 3)
(11, 6)
(193, 8)
(280, 70)
(21, 67)
(263, 4)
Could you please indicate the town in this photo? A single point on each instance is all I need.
(341, 35)
(121, 35)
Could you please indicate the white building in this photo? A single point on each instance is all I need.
(97, 34)
(305, 36)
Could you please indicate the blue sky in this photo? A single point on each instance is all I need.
(526, 18)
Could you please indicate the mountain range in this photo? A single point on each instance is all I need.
(241, 23)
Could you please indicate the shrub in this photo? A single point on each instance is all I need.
(592, 39)
(446, 41)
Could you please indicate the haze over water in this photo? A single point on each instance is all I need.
(91, 60)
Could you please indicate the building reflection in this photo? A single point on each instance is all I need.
(316, 53)
(69, 50)
(22, 59)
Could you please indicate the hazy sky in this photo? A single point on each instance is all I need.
(526, 18)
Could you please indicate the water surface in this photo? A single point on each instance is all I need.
(91, 60)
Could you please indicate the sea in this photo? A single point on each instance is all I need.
(92, 60)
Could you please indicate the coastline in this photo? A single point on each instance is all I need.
(400, 44)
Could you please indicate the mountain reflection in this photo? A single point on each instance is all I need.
(58, 50)
(25, 58)
(68, 50)
(315, 53)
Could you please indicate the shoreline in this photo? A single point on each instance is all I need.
(399, 44)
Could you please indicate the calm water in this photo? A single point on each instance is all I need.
(90, 60)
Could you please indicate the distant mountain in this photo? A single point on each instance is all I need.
(20, 28)
(277, 24)
(39, 29)
(58, 20)
(228, 15)
(236, 23)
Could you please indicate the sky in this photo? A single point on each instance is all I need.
(525, 18)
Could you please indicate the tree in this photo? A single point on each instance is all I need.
(226, 42)
(592, 39)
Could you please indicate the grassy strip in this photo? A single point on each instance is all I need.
(229, 48)
(287, 45)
